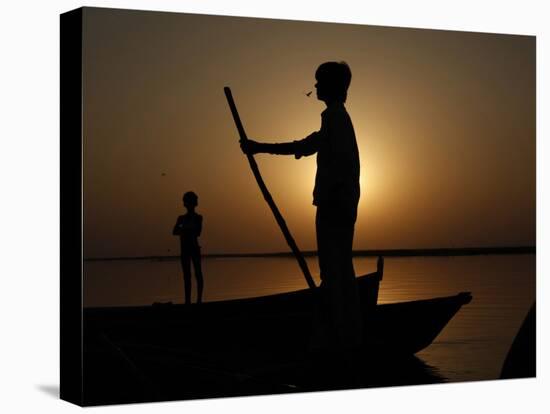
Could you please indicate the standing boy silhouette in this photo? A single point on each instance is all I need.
(336, 196)
(188, 227)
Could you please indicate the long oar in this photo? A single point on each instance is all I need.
(265, 192)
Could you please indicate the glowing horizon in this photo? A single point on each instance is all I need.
(445, 123)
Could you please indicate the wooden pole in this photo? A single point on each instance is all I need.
(267, 196)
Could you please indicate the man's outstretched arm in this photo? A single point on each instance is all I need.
(303, 147)
(254, 147)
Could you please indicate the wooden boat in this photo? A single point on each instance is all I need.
(221, 340)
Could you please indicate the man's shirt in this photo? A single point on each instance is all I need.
(338, 168)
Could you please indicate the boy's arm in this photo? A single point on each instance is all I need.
(177, 229)
(199, 227)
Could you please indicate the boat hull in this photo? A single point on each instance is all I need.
(242, 347)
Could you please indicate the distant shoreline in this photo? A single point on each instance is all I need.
(464, 251)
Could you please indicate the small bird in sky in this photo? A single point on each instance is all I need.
(309, 93)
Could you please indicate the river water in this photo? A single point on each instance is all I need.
(471, 347)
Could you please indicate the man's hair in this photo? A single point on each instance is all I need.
(336, 77)
(190, 198)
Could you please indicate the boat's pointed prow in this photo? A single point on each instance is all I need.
(465, 297)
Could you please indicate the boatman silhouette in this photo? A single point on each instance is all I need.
(336, 196)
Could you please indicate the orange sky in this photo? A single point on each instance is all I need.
(445, 123)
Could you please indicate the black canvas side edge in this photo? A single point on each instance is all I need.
(71, 387)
